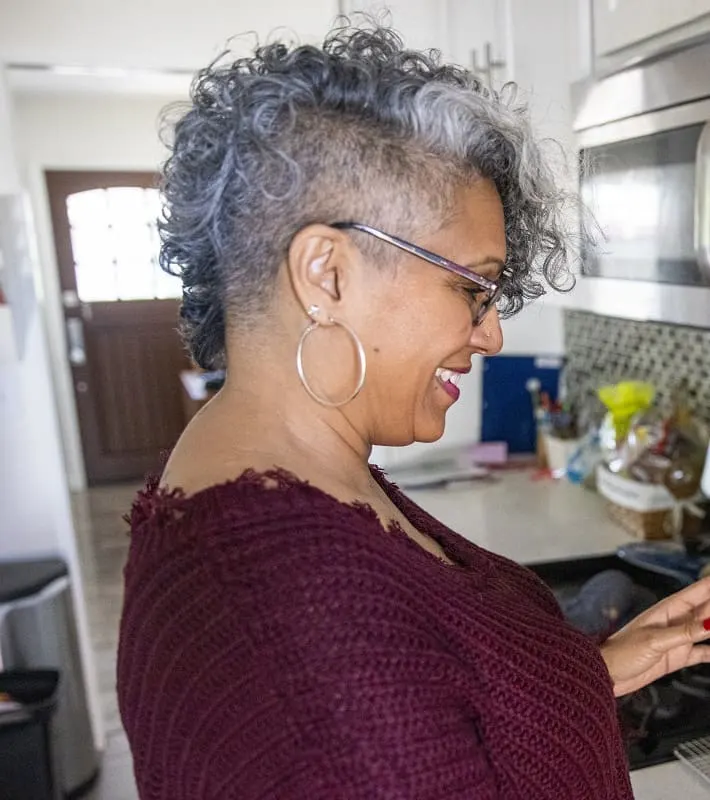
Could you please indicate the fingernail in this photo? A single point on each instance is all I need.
(706, 624)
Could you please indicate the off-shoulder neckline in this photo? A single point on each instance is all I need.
(155, 504)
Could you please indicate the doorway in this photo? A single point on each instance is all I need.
(121, 317)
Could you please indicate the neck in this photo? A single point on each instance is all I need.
(280, 424)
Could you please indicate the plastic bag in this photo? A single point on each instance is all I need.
(624, 401)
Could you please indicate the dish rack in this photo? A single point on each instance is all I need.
(696, 756)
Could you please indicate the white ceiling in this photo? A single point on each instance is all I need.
(156, 35)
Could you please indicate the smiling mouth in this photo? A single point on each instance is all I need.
(449, 381)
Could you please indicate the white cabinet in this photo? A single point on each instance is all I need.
(421, 23)
(622, 23)
(539, 42)
(471, 33)
(477, 37)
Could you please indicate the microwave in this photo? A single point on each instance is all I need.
(643, 138)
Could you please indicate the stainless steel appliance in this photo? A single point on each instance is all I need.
(644, 142)
(37, 631)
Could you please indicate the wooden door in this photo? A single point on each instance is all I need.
(121, 314)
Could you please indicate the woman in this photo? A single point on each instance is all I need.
(348, 221)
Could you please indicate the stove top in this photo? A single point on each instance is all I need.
(670, 711)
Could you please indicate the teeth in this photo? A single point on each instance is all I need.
(447, 375)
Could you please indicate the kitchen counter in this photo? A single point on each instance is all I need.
(524, 519)
(668, 782)
(531, 521)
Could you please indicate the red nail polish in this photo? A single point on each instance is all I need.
(706, 624)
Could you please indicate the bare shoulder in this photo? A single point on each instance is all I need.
(205, 455)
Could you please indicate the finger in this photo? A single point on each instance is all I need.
(689, 632)
(700, 654)
(686, 601)
(693, 595)
(700, 612)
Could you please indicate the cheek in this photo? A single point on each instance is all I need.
(446, 327)
(414, 329)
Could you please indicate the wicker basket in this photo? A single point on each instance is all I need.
(643, 509)
(642, 524)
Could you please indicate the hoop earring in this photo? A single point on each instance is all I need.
(362, 361)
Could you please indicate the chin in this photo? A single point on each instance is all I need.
(424, 436)
(429, 438)
(429, 433)
(426, 429)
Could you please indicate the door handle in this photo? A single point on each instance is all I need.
(75, 341)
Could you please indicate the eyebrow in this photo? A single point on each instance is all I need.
(480, 265)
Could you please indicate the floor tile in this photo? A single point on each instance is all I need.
(103, 546)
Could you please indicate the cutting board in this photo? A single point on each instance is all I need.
(507, 413)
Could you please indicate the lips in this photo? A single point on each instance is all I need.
(449, 379)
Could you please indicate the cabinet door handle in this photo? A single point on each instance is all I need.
(486, 70)
(702, 203)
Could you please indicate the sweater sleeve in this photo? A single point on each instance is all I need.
(342, 687)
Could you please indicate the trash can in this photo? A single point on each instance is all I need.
(28, 768)
(38, 631)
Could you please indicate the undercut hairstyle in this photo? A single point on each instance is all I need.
(359, 129)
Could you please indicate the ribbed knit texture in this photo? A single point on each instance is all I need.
(276, 643)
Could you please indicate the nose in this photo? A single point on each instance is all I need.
(487, 338)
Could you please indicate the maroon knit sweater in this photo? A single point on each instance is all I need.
(276, 643)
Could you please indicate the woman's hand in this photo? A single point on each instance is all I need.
(661, 640)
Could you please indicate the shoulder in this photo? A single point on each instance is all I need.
(264, 528)
(304, 624)
(286, 569)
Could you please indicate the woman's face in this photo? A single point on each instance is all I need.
(420, 327)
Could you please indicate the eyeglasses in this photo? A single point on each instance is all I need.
(486, 292)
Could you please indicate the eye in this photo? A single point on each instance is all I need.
(475, 294)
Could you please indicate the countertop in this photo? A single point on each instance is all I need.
(531, 521)
(671, 781)
(524, 519)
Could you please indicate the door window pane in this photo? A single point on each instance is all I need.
(115, 245)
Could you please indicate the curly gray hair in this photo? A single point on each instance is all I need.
(358, 129)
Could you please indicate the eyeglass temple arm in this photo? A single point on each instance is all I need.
(419, 252)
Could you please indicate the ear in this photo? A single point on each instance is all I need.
(320, 264)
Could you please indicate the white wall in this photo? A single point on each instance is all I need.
(35, 513)
(78, 131)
